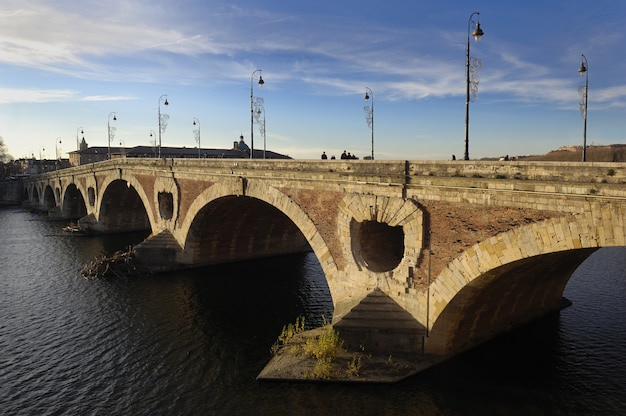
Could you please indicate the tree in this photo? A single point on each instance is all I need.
(5, 157)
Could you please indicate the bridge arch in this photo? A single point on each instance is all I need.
(49, 199)
(73, 205)
(286, 217)
(512, 278)
(122, 205)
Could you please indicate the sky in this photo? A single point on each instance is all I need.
(68, 66)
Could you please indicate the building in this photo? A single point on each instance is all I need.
(36, 166)
(239, 150)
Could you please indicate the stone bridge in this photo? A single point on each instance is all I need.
(425, 258)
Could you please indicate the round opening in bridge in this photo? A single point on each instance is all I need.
(166, 205)
(381, 245)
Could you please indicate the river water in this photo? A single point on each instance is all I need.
(192, 342)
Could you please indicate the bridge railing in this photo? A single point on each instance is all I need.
(588, 172)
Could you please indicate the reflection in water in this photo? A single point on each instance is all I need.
(192, 342)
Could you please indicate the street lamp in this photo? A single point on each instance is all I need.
(79, 131)
(162, 120)
(369, 114)
(583, 91)
(260, 82)
(56, 147)
(153, 142)
(260, 109)
(111, 131)
(196, 134)
(471, 66)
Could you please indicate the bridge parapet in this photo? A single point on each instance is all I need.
(587, 172)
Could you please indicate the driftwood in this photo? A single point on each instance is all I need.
(119, 264)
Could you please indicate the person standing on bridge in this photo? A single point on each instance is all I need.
(324, 157)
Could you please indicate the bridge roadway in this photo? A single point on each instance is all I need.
(421, 258)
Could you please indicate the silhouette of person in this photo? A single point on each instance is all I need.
(324, 155)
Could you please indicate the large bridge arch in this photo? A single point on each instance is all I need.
(513, 277)
(271, 201)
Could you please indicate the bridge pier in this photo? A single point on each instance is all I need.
(381, 326)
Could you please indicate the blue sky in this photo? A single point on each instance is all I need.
(66, 65)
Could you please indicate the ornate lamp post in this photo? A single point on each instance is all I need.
(196, 134)
(472, 66)
(260, 82)
(583, 70)
(111, 131)
(79, 130)
(153, 142)
(369, 114)
(162, 120)
(57, 142)
(260, 109)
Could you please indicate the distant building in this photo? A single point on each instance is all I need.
(36, 166)
(240, 150)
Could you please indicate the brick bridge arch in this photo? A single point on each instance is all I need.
(514, 277)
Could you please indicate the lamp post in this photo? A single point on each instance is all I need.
(260, 109)
(471, 66)
(56, 147)
(196, 133)
(260, 82)
(123, 147)
(42, 150)
(369, 114)
(79, 131)
(162, 120)
(111, 131)
(583, 70)
(153, 142)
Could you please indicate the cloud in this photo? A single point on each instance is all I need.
(107, 98)
(157, 42)
(33, 95)
(17, 95)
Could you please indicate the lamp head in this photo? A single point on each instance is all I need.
(166, 103)
(582, 69)
(367, 96)
(114, 117)
(261, 82)
(194, 122)
(478, 33)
